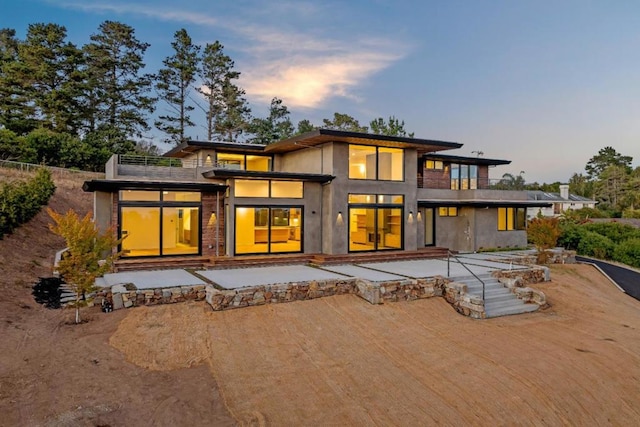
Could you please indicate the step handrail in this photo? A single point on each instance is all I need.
(451, 254)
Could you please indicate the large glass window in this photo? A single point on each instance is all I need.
(140, 228)
(511, 219)
(265, 189)
(251, 188)
(156, 223)
(376, 163)
(243, 162)
(464, 177)
(375, 222)
(268, 229)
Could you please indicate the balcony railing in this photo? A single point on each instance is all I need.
(469, 184)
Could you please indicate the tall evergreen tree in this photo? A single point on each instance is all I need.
(16, 110)
(606, 157)
(118, 89)
(344, 122)
(394, 127)
(274, 127)
(226, 110)
(51, 67)
(174, 83)
(305, 126)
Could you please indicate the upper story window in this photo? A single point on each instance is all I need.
(156, 196)
(376, 163)
(433, 164)
(249, 162)
(464, 177)
(266, 189)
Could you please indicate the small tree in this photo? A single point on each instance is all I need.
(543, 232)
(83, 262)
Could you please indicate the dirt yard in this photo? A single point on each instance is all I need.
(332, 361)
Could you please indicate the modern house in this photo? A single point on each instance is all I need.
(323, 192)
(559, 202)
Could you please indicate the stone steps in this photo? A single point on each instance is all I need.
(499, 301)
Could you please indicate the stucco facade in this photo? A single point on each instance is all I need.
(350, 192)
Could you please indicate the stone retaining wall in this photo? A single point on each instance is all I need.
(535, 274)
(375, 293)
(121, 297)
(281, 292)
(457, 295)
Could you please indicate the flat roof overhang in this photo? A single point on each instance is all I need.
(322, 136)
(188, 147)
(483, 203)
(466, 160)
(290, 176)
(115, 185)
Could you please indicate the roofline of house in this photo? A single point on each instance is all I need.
(236, 173)
(483, 203)
(467, 160)
(115, 185)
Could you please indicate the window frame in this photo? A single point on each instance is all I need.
(161, 204)
(377, 164)
(244, 160)
(268, 225)
(451, 211)
(269, 191)
(513, 219)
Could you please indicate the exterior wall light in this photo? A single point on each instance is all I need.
(410, 219)
(419, 216)
(339, 220)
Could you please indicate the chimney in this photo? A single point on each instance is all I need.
(564, 191)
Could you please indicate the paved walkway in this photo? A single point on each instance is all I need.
(234, 278)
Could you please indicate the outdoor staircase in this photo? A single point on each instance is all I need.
(499, 300)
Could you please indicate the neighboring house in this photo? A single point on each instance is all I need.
(322, 192)
(560, 202)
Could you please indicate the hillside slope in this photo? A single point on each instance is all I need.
(56, 373)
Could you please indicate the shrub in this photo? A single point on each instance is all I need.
(570, 235)
(628, 252)
(615, 231)
(543, 232)
(21, 201)
(595, 245)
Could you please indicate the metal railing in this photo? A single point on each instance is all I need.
(468, 184)
(451, 254)
(170, 162)
(29, 167)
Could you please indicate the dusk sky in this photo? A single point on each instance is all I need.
(545, 84)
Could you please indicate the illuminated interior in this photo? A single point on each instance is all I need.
(275, 229)
(385, 164)
(163, 227)
(244, 162)
(372, 228)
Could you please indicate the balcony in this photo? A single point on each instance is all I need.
(469, 184)
(159, 168)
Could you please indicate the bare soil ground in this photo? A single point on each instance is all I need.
(341, 361)
(332, 361)
(55, 373)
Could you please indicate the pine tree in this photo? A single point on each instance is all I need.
(393, 127)
(343, 122)
(226, 110)
(118, 101)
(174, 84)
(275, 127)
(51, 68)
(16, 110)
